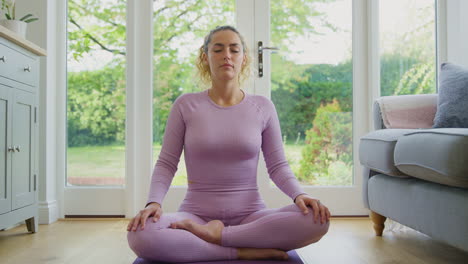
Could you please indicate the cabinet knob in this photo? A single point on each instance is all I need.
(3, 59)
(17, 148)
(11, 149)
(27, 69)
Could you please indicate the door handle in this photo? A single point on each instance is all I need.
(11, 149)
(17, 148)
(260, 50)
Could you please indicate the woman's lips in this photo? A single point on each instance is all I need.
(227, 65)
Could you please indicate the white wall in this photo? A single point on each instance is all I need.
(44, 33)
(457, 31)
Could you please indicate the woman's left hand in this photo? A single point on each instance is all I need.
(303, 201)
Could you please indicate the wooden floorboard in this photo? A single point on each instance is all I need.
(352, 241)
(103, 241)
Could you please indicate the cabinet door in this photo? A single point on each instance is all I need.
(22, 178)
(5, 170)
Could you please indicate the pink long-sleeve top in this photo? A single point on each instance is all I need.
(222, 146)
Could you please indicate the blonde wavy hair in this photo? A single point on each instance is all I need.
(204, 72)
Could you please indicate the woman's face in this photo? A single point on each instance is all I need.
(225, 56)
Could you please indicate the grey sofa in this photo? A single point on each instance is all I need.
(418, 178)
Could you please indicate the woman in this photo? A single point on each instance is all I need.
(222, 130)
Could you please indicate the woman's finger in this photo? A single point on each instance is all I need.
(315, 206)
(323, 213)
(129, 226)
(136, 222)
(302, 206)
(157, 215)
(144, 216)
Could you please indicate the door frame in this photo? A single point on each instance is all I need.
(123, 200)
(132, 197)
(340, 200)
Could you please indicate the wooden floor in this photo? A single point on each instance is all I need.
(350, 240)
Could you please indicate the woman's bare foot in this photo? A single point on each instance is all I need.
(210, 232)
(261, 253)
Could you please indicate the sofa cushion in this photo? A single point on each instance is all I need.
(437, 155)
(452, 103)
(376, 150)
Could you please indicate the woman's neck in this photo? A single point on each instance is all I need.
(225, 94)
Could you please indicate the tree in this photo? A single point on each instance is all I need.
(100, 25)
(407, 63)
(94, 115)
(298, 99)
(328, 141)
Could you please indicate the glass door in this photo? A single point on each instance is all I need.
(96, 108)
(109, 157)
(310, 79)
(180, 28)
(307, 72)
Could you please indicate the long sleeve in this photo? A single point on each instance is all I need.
(273, 152)
(166, 166)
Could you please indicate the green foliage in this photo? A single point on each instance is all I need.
(290, 18)
(391, 66)
(420, 79)
(298, 98)
(407, 64)
(328, 141)
(9, 9)
(94, 25)
(96, 107)
(406, 75)
(28, 18)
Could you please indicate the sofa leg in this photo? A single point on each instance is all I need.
(378, 221)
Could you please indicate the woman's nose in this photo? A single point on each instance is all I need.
(227, 55)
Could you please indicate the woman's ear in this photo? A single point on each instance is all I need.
(244, 61)
(205, 58)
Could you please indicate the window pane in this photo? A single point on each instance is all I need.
(407, 47)
(179, 29)
(96, 92)
(311, 86)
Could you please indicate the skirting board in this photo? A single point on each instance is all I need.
(48, 212)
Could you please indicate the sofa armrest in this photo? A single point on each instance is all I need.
(405, 111)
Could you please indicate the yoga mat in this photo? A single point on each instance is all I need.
(293, 259)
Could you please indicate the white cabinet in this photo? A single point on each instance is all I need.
(19, 81)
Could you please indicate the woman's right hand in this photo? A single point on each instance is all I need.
(151, 210)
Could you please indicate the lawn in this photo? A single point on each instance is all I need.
(105, 165)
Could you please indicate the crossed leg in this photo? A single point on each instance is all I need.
(160, 242)
(285, 228)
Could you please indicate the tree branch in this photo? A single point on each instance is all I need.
(113, 51)
(188, 26)
(86, 11)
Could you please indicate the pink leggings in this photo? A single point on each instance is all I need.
(284, 228)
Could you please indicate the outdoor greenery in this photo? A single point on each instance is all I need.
(314, 102)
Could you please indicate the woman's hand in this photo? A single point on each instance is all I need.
(152, 209)
(320, 210)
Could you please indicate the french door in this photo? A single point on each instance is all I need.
(320, 145)
(304, 60)
(322, 102)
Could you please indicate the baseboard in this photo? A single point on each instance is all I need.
(48, 212)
